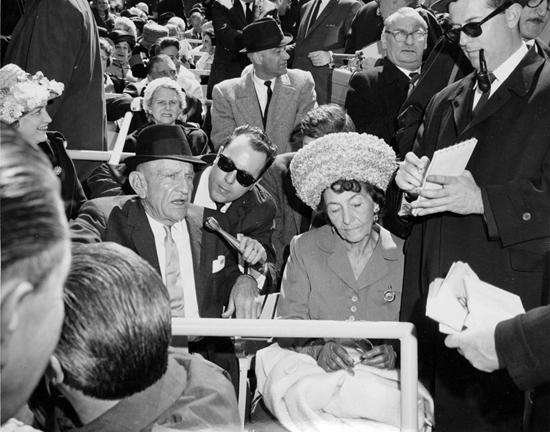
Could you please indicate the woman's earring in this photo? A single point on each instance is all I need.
(375, 218)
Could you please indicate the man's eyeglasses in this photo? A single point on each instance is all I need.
(226, 165)
(401, 36)
(536, 3)
(473, 29)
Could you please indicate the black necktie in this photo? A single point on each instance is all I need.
(484, 97)
(219, 206)
(249, 13)
(413, 79)
(269, 95)
(314, 15)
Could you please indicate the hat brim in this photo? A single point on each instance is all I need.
(287, 39)
(133, 161)
(441, 6)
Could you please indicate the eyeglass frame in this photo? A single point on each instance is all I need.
(407, 34)
(538, 4)
(245, 179)
(474, 27)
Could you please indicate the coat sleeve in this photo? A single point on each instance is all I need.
(523, 347)
(295, 286)
(227, 36)
(223, 121)
(362, 104)
(307, 102)
(90, 225)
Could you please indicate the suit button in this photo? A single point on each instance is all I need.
(354, 299)
(526, 216)
(352, 318)
(353, 309)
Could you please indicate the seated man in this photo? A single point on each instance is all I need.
(248, 207)
(293, 216)
(268, 95)
(162, 226)
(35, 261)
(112, 369)
(160, 66)
(376, 95)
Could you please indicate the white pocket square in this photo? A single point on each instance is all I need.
(218, 264)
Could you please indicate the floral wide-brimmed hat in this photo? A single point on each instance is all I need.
(21, 92)
(341, 156)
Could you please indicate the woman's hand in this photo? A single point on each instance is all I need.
(381, 357)
(333, 357)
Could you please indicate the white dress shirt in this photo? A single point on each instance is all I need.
(180, 234)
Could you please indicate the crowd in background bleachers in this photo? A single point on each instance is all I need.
(225, 98)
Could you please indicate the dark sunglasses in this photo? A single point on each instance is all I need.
(473, 29)
(226, 165)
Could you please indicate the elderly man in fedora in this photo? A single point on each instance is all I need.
(161, 225)
(268, 95)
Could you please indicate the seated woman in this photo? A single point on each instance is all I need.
(124, 44)
(164, 103)
(208, 46)
(23, 105)
(350, 269)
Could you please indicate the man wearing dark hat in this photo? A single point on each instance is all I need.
(494, 216)
(161, 225)
(196, 17)
(268, 96)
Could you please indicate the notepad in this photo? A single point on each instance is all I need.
(450, 161)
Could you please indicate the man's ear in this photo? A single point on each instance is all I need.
(383, 39)
(513, 15)
(138, 183)
(54, 371)
(14, 293)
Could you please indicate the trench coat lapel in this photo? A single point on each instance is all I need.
(282, 96)
(247, 101)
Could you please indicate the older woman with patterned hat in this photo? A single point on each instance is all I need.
(352, 268)
(23, 100)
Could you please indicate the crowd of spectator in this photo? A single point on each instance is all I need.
(321, 205)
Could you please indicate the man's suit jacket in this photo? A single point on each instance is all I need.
(235, 103)
(123, 220)
(374, 99)
(228, 24)
(367, 27)
(292, 214)
(506, 246)
(328, 33)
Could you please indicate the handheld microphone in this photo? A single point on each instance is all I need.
(483, 81)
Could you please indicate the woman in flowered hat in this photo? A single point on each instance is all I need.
(352, 268)
(23, 100)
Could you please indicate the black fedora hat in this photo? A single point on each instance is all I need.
(161, 142)
(264, 34)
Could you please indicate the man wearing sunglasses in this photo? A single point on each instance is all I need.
(495, 216)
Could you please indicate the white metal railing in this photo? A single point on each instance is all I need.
(405, 332)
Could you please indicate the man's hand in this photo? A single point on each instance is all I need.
(459, 195)
(13, 425)
(319, 58)
(381, 357)
(368, 63)
(244, 299)
(477, 344)
(411, 173)
(253, 251)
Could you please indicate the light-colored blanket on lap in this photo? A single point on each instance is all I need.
(305, 398)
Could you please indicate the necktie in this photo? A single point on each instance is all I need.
(314, 15)
(413, 79)
(249, 13)
(173, 274)
(484, 97)
(219, 206)
(269, 95)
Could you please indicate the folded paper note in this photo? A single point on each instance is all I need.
(462, 298)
